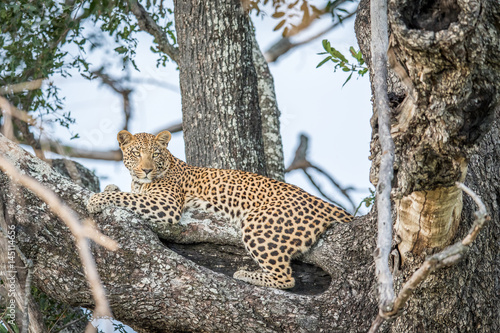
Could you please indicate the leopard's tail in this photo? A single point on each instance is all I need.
(340, 215)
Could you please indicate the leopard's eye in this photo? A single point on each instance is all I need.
(136, 153)
(155, 155)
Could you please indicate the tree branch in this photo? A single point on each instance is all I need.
(300, 162)
(147, 24)
(379, 47)
(81, 232)
(144, 270)
(124, 92)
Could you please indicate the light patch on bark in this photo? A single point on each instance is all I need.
(428, 219)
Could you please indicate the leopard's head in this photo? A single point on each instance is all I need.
(145, 155)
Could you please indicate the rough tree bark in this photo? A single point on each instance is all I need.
(220, 90)
(445, 71)
(154, 289)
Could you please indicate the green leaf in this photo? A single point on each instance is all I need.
(323, 61)
(353, 52)
(326, 45)
(121, 49)
(348, 78)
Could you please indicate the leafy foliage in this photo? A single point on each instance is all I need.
(39, 39)
(341, 62)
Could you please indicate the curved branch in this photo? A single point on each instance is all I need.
(146, 23)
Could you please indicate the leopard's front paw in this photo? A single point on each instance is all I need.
(95, 204)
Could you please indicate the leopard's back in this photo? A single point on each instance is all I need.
(277, 220)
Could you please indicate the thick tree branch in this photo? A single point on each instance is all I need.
(81, 232)
(143, 270)
(379, 47)
(271, 136)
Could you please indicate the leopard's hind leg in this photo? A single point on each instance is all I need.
(271, 251)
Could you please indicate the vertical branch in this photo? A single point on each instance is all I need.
(379, 47)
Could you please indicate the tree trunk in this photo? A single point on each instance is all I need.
(220, 89)
(443, 84)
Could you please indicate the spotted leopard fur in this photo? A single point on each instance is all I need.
(278, 220)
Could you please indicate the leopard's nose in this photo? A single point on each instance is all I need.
(146, 171)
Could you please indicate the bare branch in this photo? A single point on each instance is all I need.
(124, 92)
(379, 46)
(21, 119)
(449, 256)
(8, 127)
(147, 24)
(300, 162)
(79, 231)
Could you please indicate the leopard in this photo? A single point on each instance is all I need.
(278, 221)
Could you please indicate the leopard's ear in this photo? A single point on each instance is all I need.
(163, 138)
(124, 137)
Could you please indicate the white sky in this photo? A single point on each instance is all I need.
(312, 101)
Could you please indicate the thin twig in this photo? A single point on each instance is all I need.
(68, 324)
(124, 92)
(319, 189)
(449, 256)
(379, 46)
(77, 229)
(27, 293)
(337, 185)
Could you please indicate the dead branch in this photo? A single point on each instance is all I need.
(147, 24)
(300, 162)
(124, 92)
(14, 116)
(81, 233)
(8, 125)
(379, 46)
(449, 256)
